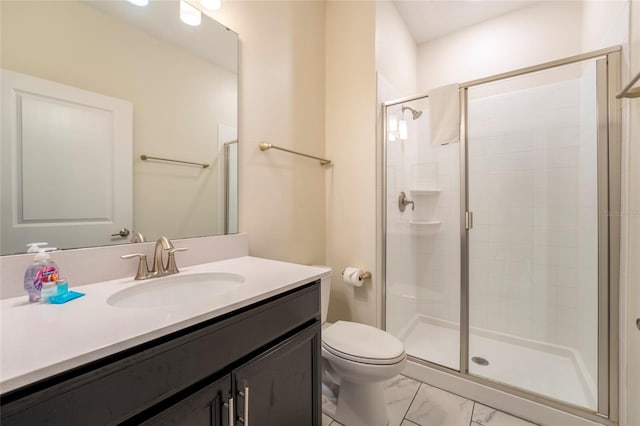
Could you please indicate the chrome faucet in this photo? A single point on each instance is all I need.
(159, 269)
(138, 238)
(162, 244)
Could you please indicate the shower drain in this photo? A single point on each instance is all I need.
(480, 361)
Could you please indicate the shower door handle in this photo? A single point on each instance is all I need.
(468, 220)
(403, 202)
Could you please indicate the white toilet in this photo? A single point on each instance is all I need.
(359, 358)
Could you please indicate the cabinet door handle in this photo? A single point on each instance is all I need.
(230, 414)
(246, 406)
(245, 396)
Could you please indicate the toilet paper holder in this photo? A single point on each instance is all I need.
(364, 275)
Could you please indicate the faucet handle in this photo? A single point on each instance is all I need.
(172, 268)
(143, 269)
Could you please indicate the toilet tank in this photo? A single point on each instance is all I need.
(325, 291)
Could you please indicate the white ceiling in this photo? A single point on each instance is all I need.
(430, 19)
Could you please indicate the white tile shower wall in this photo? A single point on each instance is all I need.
(401, 246)
(532, 180)
(401, 258)
(438, 246)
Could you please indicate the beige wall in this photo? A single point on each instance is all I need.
(282, 89)
(603, 24)
(396, 51)
(174, 118)
(351, 145)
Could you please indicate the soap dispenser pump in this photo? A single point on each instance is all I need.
(42, 270)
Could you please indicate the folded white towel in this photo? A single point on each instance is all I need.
(444, 113)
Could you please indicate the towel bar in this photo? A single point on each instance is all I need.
(265, 146)
(628, 92)
(145, 157)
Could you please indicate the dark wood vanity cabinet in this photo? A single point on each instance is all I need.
(256, 366)
(204, 407)
(276, 387)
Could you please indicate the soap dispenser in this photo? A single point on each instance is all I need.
(42, 270)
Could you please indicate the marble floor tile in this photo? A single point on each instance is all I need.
(328, 406)
(433, 406)
(487, 416)
(326, 420)
(398, 394)
(411, 403)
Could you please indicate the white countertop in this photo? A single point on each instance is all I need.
(38, 340)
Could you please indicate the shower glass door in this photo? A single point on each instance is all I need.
(422, 247)
(533, 247)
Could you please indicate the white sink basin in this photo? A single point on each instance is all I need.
(176, 290)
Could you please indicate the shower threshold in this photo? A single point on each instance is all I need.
(552, 370)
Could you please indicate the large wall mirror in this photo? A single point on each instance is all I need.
(98, 99)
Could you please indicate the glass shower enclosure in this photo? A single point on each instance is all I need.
(500, 255)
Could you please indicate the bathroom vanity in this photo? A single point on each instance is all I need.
(255, 360)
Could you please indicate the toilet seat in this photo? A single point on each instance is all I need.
(362, 343)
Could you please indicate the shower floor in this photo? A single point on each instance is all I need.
(550, 370)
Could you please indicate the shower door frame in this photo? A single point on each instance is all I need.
(609, 201)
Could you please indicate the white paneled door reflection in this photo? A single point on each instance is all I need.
(66, 160)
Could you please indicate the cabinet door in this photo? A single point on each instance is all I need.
(206, 407)
(281, 387)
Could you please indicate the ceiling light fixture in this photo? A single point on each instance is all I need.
(139, 2)
(211, 4)
(189, 14)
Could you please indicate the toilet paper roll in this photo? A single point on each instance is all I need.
(351, 276)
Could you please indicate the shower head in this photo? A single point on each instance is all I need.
(415, 113)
